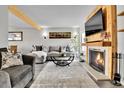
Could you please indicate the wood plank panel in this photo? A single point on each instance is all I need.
(87, 54)
(113, 29)
(95, 37)
(102, 44)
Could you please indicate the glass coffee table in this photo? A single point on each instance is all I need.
(62, 60)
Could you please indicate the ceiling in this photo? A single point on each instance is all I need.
(53, 15)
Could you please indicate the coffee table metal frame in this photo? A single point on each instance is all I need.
(61, 61)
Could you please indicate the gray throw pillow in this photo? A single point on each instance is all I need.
(38, 48)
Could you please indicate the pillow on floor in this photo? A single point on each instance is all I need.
(8, 60)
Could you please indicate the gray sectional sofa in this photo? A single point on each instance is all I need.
(17, 76)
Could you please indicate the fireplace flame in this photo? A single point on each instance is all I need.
(99, 59)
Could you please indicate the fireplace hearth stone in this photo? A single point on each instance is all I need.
(98, 76)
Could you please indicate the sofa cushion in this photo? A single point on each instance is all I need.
(54, 48)
(17, 73)
(4, 80)
(68, 48)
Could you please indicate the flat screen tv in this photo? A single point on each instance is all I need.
(95, 24)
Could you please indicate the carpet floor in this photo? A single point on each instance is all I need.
(73, 76)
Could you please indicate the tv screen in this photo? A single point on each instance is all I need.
(94, 24)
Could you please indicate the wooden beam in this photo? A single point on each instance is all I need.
(121, 14)
(121, 30)
(112, 27)
(20, 14)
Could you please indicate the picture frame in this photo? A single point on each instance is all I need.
(59, 35)
(15, 36)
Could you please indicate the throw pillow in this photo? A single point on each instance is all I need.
(2, 50)
(63, 49)
(38, 48)
(45, 48)
(8, 60)
(50, 48)
(60, 49)
(67, 48)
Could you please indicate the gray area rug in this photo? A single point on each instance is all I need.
(73, 76)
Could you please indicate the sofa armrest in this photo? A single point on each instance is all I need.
(4, 80)
(29, 60)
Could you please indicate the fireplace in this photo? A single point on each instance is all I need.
(97, 59)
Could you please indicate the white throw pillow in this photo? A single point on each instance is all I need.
(8, 60)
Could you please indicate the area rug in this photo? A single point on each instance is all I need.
(73, 76)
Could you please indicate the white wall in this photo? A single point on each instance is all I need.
(34, 37)
(58, 42)
(120, 25)
(82, 36)
(30, 37)
(121, 42)
(3, 26)
(120, 19)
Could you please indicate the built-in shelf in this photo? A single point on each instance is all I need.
(97, 43)
(121, 30)
(121, 13)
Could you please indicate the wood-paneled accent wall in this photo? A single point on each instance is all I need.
(110, 20)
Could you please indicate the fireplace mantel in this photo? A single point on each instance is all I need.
(98, 43)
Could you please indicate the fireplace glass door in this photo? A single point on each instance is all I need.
(97, 60)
